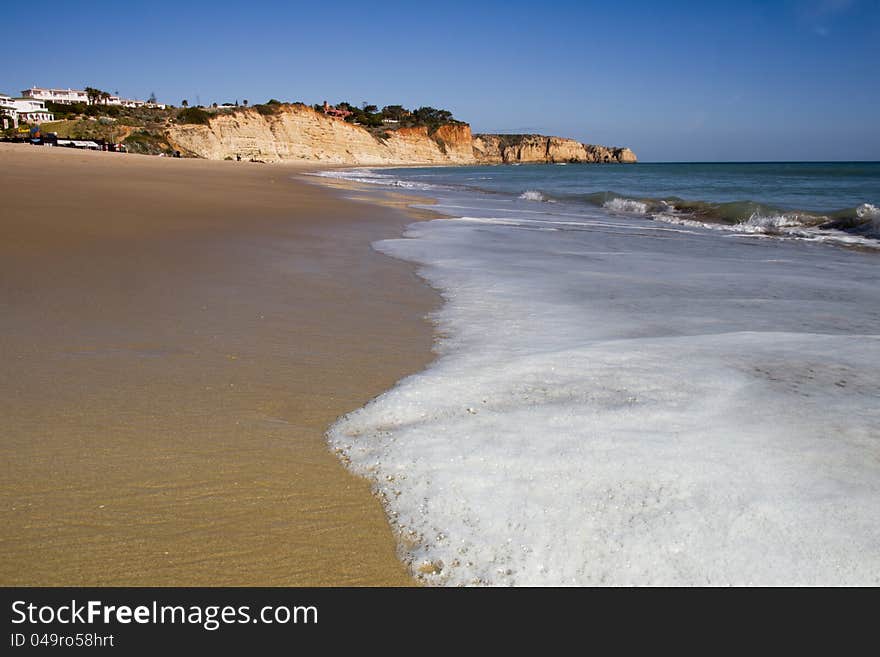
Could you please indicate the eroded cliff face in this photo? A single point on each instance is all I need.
(298, 132)
(510, 149)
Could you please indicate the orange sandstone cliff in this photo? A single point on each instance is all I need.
(298, 132)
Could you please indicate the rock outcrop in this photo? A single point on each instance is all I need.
(510, 149)
(298, 132)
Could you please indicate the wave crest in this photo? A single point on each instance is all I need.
(626, 205)
(532, 195)
(868, 211)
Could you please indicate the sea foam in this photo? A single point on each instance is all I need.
(369, 176)
(618, 403)
(868, 211)
(785, 226)
(626, 205)
(871, 215)
(532, 195)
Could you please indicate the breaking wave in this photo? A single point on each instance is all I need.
(626, 205)
(532, 195)
(744, 216)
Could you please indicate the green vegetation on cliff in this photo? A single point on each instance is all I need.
(194, 115)
(147, 143)
(392, 116)
(141, 129)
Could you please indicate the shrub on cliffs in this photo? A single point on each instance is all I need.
(146, 143)
(64, 111)
(194, 115)
(271, 107)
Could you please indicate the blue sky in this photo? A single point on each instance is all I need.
(773, 80)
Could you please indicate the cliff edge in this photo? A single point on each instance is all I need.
(299, 132)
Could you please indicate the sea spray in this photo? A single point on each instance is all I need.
(626, 205)
(532, 195)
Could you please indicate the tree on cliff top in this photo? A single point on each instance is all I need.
(369, 115)
(431, 117)
(94, 95)
(395, 112)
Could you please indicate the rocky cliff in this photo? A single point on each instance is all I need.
(538, 148)
(298, 132)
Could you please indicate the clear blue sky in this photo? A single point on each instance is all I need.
(737, 80)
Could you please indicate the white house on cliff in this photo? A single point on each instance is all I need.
(14, 111)
(68, 96)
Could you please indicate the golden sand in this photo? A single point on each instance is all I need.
(176, 336)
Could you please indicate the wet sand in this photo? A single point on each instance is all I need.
(176, 336)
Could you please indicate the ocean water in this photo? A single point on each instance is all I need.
(831, 201)
(624, 399)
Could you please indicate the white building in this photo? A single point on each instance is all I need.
(22, 110)
(64, 96)
(32, 111)
(8, 114)
(125, 102)
(68, 96)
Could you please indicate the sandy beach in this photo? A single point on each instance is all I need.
(176, 337)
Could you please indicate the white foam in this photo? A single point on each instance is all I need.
(868, 211)
(783, 226)
(368, 176)
(871, 213)
(532, 195)
(626, 205)
(615, 405)
(771, 224)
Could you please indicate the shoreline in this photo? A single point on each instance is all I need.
(181, 334)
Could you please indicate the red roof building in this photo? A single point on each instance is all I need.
(335, 112)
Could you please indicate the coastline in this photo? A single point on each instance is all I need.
(180, 334)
